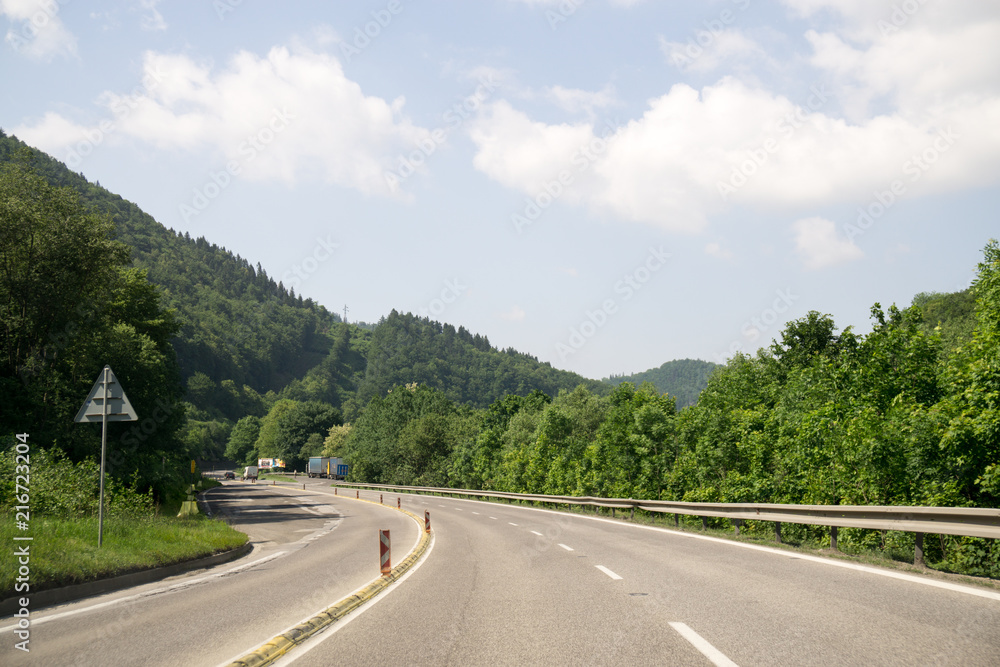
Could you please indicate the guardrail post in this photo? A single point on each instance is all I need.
(918, 550)
(777, 532)
(736, 526)
(833, 538)
(631, 514)
(704, 523)
(677, 521)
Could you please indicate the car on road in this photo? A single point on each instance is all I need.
(229, 475)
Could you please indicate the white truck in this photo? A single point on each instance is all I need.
(250, 472)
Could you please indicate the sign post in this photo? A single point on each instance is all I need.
(106, 402)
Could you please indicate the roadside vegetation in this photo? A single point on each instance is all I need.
(906, 414)
(63, 521)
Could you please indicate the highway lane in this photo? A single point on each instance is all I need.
(508, 585)
(312, 551)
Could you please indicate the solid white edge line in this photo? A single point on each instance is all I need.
(608, 572)
(358, 611)
(717, 657)
(156, 591)
(294, 654)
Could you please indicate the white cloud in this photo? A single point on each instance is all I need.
(725, 46)
(515, 314)
(152, 19)
(914, 68)
(38, 31)
(307, 117)
(520, 153)
(934, 79)
(716, 250)
(818, 245)
(575, 100)
(694, 153)
(53, 134)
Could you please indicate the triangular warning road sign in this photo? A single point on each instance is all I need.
(118, 407)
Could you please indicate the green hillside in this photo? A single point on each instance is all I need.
(465, 367)
(245, 341)
(684, 379)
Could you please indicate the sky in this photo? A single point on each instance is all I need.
(606, 185)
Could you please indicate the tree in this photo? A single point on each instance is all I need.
(286, 430)
(69, 306)
(335, 438)
(242, 438)
(971, 429)
(804, 339)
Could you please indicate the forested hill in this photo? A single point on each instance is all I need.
(683, 378)
(238, 324)
(245, 335)
(405, 349)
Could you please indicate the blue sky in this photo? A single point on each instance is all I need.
(604, 184)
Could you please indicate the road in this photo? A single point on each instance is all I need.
(509, 585)
(309, 552)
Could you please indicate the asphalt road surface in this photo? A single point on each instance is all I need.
(509, 585)
(309, 552)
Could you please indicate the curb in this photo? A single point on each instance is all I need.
(66, 594)
(277, 647)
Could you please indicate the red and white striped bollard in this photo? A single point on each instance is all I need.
(385, 560)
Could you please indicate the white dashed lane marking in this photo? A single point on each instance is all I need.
(713, 654)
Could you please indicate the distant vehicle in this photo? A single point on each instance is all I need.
(250, 472)
(319, 466)
(327, 467)
(229, 475)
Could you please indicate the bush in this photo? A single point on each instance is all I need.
(60, 488)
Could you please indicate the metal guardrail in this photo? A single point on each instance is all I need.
(965, 521)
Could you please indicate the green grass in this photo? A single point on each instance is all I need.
(281, 477)
(65, 552)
